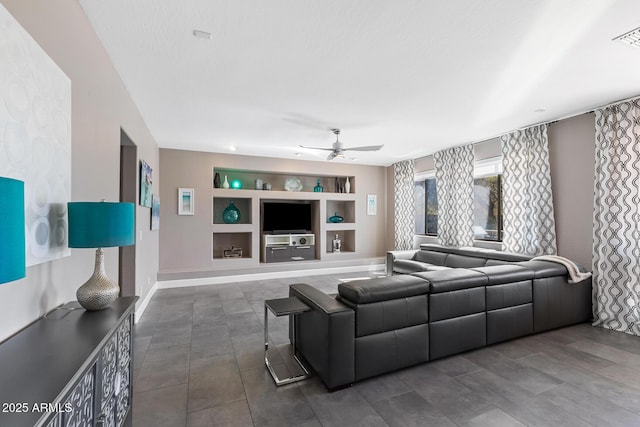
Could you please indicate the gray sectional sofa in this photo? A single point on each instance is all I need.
(447, 301)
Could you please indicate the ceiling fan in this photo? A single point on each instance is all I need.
(338, 149)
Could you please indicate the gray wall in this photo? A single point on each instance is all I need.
(186, 241)
(572, 157)
(100, 107)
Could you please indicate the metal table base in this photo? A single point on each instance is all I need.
(291, 306)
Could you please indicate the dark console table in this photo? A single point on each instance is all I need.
(71, 367)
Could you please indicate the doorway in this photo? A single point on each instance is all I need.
(128, 193)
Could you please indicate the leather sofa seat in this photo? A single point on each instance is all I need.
(509, 299)
(457, 318)
(373, 290)
(391, 330)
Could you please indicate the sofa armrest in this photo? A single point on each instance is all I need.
(394, 255)
(325, 336)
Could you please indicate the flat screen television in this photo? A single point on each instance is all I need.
(283, 217)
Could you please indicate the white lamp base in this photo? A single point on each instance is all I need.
(99, 291)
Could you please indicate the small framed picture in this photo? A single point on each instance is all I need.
(185, 201)
(372, 204)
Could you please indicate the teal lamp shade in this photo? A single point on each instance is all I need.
(101, 224)
(12, 249)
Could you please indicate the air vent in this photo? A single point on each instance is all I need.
(202, 34)
(631, 38)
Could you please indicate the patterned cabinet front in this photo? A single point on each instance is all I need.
(80, 401)
(115, 377)
(55, 421)
(123, 393)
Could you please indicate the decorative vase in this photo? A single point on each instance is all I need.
(231, 214)
(347, 186)
(318, 188)
(336, 218)
(336, 244)
(259, 184)
(225, 184)
(99, 291)
(216, 180)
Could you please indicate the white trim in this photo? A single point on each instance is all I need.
(421, 176)
(141, 306)
(487, 167)
(203, 281)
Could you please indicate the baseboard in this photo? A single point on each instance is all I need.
(142, 305)
(203, 281)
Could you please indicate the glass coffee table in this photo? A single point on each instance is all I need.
(291, 306)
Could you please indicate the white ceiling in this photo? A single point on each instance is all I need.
(414, 75)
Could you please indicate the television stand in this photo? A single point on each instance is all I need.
(289, 247)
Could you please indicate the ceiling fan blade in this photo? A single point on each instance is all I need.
(332, 155)
(366, 148)
(317, 148)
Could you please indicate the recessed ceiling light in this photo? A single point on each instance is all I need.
(631, 38)
(232, 148)
(297, 154)
(202, 34)
(539, 110)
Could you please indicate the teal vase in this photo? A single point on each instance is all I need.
(336, 218)
(318, 188)
(231, 214)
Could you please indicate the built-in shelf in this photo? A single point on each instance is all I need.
(243, 204)
(277, 180)
(340, 226)
(222, 241)
(343, 208)
(347, 237)
(248, 235)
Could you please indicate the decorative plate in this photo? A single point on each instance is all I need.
(293, 184)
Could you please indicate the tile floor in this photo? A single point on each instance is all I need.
(199, 362)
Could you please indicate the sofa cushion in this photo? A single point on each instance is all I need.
(509, 294)
(383, 316)
(452, 279)
(382, 289)
(498, 274)
(449, 305)
(463, 261)
(408, 266)
(431, 257)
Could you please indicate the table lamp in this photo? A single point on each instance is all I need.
(100, 225)
(12, 249)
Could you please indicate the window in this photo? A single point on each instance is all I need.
(426, 205)
(487, 209)
(487, 193)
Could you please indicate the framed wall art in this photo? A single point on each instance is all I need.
(35, 138)
(146, 181)
(185, 201)
(372, 204)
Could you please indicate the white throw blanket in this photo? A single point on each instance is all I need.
(575, 275)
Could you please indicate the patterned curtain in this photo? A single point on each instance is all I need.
(616, 218)
(454, 181)
(529, 226)
(404, 204)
